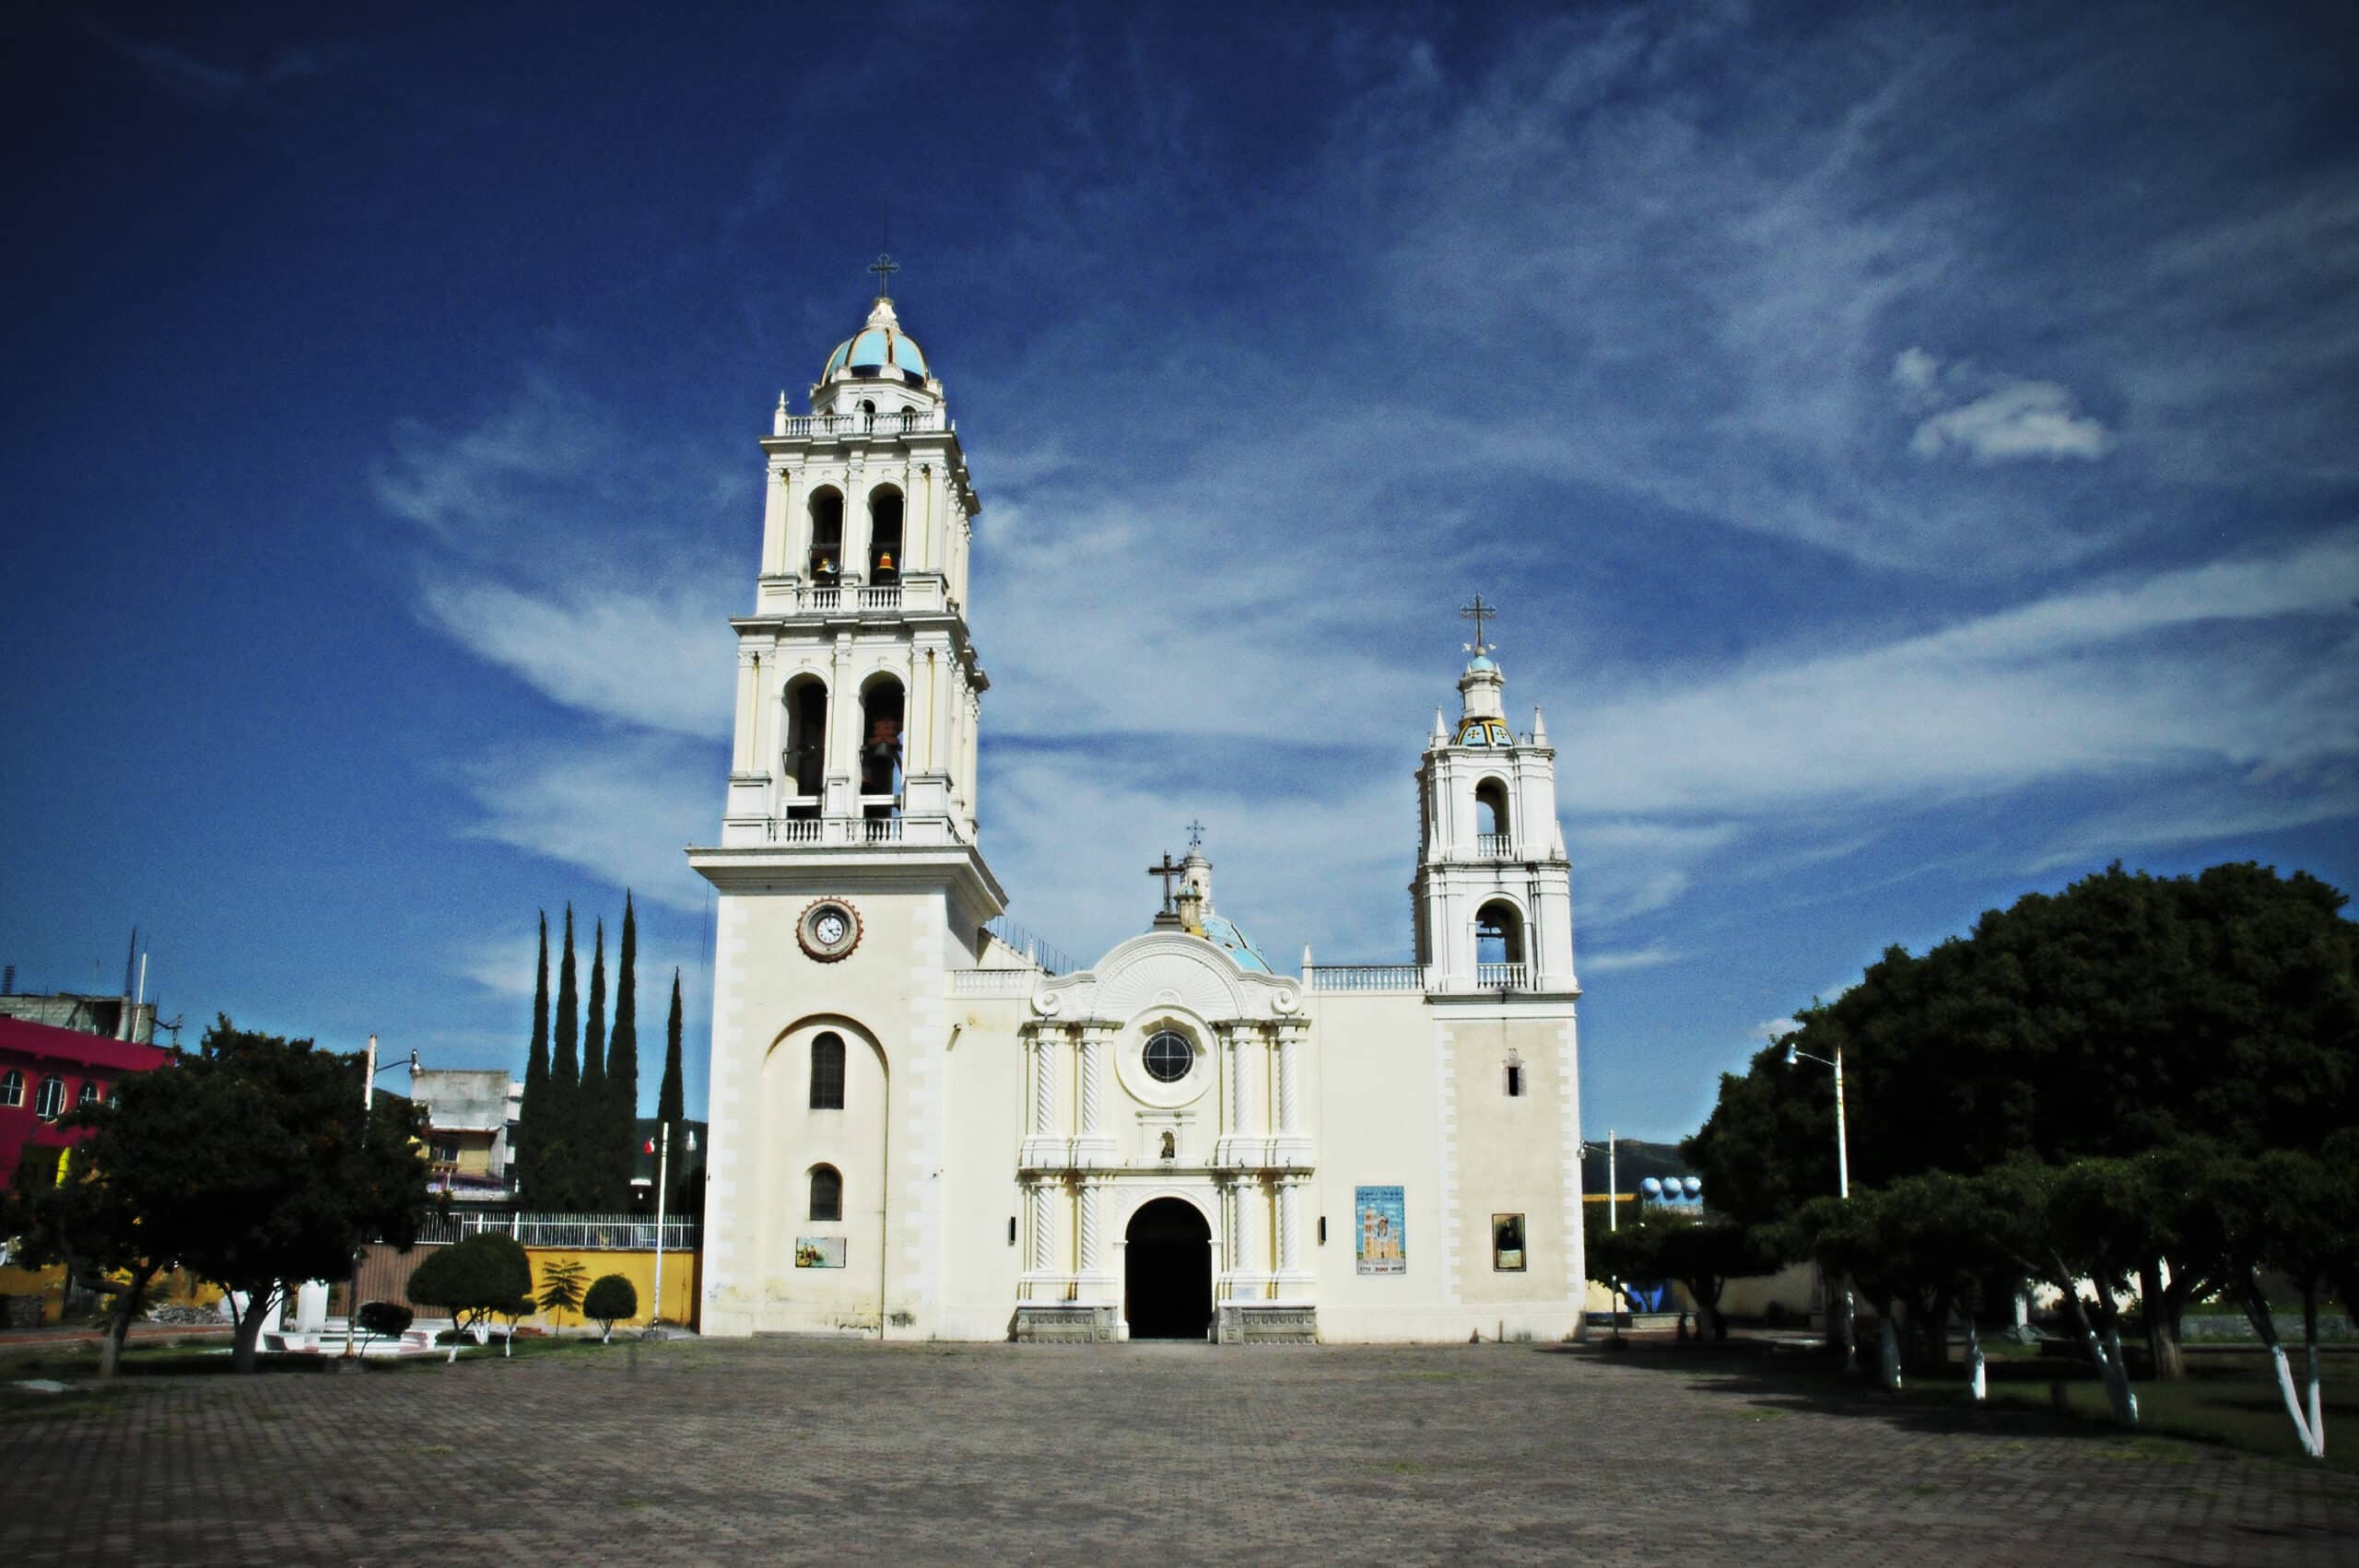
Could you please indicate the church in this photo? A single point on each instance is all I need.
(919, 1130)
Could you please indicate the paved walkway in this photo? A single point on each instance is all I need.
(801, 1451)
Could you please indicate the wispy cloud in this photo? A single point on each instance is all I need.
(196, 79)
(1652, 955)
(621, 810)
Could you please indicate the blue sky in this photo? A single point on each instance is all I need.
(1913, 446)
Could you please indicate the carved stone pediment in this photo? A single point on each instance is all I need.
(1169, 969)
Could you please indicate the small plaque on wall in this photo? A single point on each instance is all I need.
(818, 1252)
(1381, 1219)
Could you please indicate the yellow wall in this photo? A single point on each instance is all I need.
(181, 1288)
(638, 1268)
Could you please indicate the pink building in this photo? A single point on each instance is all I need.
(47, 1072)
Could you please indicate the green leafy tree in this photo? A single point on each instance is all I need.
(1702, 1255)
(536, 1110)
(622, 1059)
(2124, 1015)
(252, 1164)
(86, 1222)
(561, 1285)
(611, 1300)
(483, 1276)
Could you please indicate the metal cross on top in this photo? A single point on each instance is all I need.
(1478, 613)
(1195, 835)
(883, 266)
(1169, 868)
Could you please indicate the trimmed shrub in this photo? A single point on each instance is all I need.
(473, 1280)
(612, 1298)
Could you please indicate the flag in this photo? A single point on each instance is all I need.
(649, 1148)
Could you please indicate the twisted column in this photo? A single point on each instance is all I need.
(1036, 1204)
(1289, 1226)
(1289, 1079)
(1045, 1083)
(1092, 1200)
(1093, 1078)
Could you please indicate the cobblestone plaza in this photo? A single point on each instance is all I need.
(790, 1450)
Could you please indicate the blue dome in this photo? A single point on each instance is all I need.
(1481, 661)
(881, 348)
(1223, 933)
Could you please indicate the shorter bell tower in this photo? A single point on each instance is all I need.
(1494, 888)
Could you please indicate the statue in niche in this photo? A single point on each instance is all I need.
(1171, 1146)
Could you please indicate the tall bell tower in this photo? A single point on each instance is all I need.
(1494, 888)
(848, 877)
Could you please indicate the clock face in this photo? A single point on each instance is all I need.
(829, 929)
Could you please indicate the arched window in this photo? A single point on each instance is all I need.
(89, 1096)
(49, 1103)
(826, 536)
(827, 1193)
(804, 764)
(880, 745)
(1499, 933)
(12, 1088)
(884, 535)
(1491, 817)
(827, 1073)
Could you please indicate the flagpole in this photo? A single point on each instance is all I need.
(663, 1168)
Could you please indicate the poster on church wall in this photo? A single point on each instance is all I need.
(818, 1252)
(1382, 1226)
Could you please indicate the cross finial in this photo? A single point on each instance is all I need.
(1169, 868)
(1478, 613)
(883, 266)
(1195, 835)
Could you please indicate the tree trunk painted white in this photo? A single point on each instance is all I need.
(2117, 1378)
(2313, 1441)
(1891, 1340)
(2311, 1445)
(1973, 1360)
(2310, 1370)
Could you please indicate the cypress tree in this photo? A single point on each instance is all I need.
(562, 1172)
(593, 1116)
(622, 1054)
(534, 1108)
(671, 1102)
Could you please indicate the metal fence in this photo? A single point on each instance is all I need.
(587, 1233)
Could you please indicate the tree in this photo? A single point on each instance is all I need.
(2121, 1016)
(622, 1056)
(561, 1133)
(84, 1222)
(593, 1108)
(612, 1299)
(536, 1110)
(561, 1286)
(486, 1274)
(252, 1164)
(382, 1320)
(671, 1104)
(1918, 1248)
(1702, 1255)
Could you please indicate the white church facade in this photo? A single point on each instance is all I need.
(920, 1130)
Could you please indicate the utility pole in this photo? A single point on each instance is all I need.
(663, 1169)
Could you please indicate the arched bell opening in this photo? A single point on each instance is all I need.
(884, 511)
(1494, 826)
(826, 536)
(880, 747)
(804, 764)
(1499, 939)
(1168, 1272)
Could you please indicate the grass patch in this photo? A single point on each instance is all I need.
(2228, 1401)
(1755, 1413)
(437, 1450)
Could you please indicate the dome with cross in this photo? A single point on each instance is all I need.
(880, 350)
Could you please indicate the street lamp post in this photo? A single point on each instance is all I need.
(1842, 1171)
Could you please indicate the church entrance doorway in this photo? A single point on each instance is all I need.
(1167, 1272)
